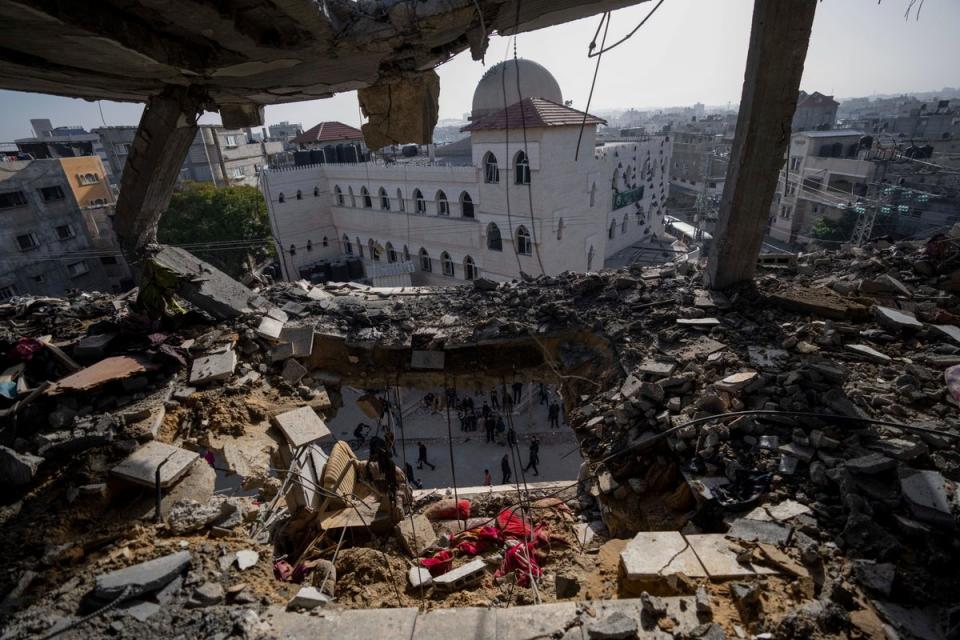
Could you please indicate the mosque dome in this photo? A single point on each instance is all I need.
(535, 82)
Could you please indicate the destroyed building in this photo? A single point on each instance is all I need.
(768, 450)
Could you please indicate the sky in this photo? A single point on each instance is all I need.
(689, 51)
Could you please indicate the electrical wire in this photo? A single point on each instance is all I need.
(591, 54)
(605, 22)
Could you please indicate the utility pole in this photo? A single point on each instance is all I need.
(868, 215)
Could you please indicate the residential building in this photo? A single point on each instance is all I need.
(221, 156)
(284, 131)
(64, 142)
(815, 112)
(699, 164)
(513, 206)
(55, 228)
(825, 171)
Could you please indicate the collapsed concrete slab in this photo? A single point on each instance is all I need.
(203, 285)
(143, 578)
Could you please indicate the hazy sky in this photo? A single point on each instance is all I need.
(690, 51)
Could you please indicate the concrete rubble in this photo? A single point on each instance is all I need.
(781, 459)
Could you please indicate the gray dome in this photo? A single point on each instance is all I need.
(535, 82)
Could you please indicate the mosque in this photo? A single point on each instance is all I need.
(529, 190)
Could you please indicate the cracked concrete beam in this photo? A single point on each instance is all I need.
(404, 110)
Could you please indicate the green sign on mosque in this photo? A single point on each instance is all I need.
(623, 198)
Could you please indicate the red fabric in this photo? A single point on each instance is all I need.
(522, 560)
(439, 564)
(476, 541)
(448, 510)
(282, 570)
(24, 349)
(512, 525)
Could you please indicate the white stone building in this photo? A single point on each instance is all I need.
(526, 202)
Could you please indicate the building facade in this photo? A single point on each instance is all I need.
(519, 206)
(56, 229)
(815, 112)
(65, 142)
(825, 171)
(221, 156)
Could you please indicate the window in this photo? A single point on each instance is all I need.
(121, 148)
(299, 194)
(28, 241)
(39, 279)
(795, 163)
(425, 263)
(560, 229)
(391, 253)
(612, 232)
(406, 253)
(49, 194)
(293, 249)
(347, 248)
(7, 292)
(316, 191)
(76, 269)
(65, 232)
(623, 225)
(401, 205)
(593, 193)
(12, 199)
(494, 241)
(88, 178)
(108, 260)
(447, 264)
(469, 269)
(359, 247)
(309, 245)
(522, 166)
(238, 173)
(443, 206)
(590, 259)
(98, 202)
(280, 198)
(466, 205)
(421, 204)
(338, 193)
(384, 200)
(491, 172)
(365, 196)
(326, 241)
(524, 245)
(374, 250)
(353, 200)
(230, 141)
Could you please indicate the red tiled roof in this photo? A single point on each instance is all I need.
(532, 113)
(328, 132)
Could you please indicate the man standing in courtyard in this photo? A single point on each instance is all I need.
(534, 456)
(505, 468)
(487, 478)
(554, 414)
(422, 457)
(517, 392)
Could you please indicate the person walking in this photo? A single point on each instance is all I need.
(408, 469)
(485, 410)
(422, 457)
(543, 393)
(489, 426)
(534, 459)
(505, 468)
(487, 478)
(554, 414)
(511, 437)
(501, 430)
(494, 400)
(508, 404)
(517, 392)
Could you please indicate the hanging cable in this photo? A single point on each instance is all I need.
(591, 54)
(506, 126)
(605, 22)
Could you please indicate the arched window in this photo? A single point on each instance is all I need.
(560, 229)
(299, 194)
(623, 225)
(466, 205)
(367, 200)
(359, 247)
(590, 259)
(593, 193)
(316, 191)
(309, 245)
(524, 245)
(612, 232)
(425, 263)
(406, 254)
(443, 206)
(347, 247)
(293, 249)
(419, 201)
(469, 269)
(401, 205)
(494, 241)
(338, 192)
(447, 264)
(326, 241)
(391, 253)
(384, 200)
(374, 250)
(281, 199)
(491, 172)
(353, 200)
(521, 168)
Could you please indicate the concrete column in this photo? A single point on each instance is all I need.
(167, 129)
(778, 47)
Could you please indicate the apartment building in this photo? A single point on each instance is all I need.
(55, 228)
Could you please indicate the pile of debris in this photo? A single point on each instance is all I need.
(787, 449)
